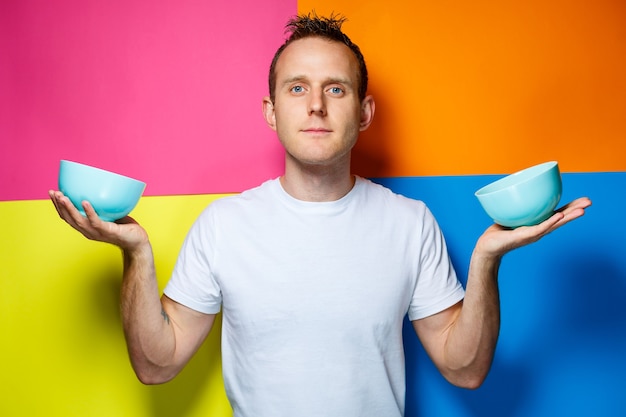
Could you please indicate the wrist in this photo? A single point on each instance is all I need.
(139, 252)
(485, 260)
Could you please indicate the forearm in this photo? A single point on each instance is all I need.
(149, 335)
(464, 340)
(472, 339)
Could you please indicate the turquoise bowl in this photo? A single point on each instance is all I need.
(524, 198)
(112, 195)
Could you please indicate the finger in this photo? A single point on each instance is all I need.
(575, 209)
(73, 216)
(571, 214)
(58, 199)
(582, 202)
(69, 213)
(546, 225)
(568, 215)
(91, 214)
(528, 234)
(53, 198)
(95, 227)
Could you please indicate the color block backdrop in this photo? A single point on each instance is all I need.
(171, 93)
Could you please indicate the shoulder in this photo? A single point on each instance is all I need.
(240, 208)
(378, 192)
(252, 197)
(392, 208)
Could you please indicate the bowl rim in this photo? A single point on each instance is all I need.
(70, 162)
(546, 165)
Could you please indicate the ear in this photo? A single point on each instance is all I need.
(368, 106)
(268, 113)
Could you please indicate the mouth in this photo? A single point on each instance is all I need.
(316, 130)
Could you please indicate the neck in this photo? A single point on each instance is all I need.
(317, 183)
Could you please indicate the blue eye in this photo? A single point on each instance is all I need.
(297, 89)
(335, 90)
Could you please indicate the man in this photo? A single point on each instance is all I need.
(313, 271)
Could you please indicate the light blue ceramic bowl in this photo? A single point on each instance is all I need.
(112, 195)
(524, 198)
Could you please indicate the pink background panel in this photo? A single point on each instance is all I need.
(167, 92)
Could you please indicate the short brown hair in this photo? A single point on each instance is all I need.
(311, 25)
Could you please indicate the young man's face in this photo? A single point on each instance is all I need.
(316, 112)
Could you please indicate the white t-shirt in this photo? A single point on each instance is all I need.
(314, 296)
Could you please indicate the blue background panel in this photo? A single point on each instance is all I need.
(563, 337)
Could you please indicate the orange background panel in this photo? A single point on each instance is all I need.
(488, 87)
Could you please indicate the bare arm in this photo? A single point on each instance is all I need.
(461, 340)
(161, 334)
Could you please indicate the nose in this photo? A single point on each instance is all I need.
(317, 102)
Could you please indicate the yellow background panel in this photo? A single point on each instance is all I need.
(63, 348)
(484, 87)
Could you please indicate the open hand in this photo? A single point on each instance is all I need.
(498, 240)
(125, 233)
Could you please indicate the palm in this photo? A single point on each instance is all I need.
(498, 240)
(125, 233)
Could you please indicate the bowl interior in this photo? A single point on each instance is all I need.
(517, 178)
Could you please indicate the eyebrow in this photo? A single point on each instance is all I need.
(329, 80)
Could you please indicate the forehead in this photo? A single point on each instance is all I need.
(317, 57)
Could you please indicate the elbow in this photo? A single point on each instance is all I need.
(153, 375)
(471, 383)
(150, 371)
(469, 374)
(150, 379)
(470, 380)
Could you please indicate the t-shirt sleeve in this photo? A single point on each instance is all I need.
(437, 286)
(192, 283)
